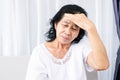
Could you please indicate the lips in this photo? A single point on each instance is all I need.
(65, 38)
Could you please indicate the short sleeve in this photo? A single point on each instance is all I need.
(86, 51)
(36, 68)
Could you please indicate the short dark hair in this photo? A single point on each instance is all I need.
(72, 9)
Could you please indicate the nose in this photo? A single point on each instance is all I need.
(68, 31)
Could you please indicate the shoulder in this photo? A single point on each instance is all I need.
(38, 50)
(37, 57)
(38, 54)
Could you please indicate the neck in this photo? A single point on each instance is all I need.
(59, 45)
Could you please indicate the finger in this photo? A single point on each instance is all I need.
(69, 16)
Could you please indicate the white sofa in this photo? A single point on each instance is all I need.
(14, 68)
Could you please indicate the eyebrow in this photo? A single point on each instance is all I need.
(76, 26)
(66, 21)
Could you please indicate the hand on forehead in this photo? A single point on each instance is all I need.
(80, 20)
(73, 16)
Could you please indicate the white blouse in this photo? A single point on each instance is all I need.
(44, 66)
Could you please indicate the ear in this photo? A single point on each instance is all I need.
(55, 25)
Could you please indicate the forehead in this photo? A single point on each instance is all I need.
(65, 19)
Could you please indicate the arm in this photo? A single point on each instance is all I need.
(98, 57)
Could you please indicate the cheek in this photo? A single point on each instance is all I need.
(58, 31)
(76, 34)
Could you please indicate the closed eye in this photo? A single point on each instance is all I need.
(65, 25)
(75, 28)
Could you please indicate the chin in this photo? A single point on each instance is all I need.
(65, 42)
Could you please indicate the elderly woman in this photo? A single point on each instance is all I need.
(72, 46)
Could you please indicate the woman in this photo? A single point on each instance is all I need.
(68, 51)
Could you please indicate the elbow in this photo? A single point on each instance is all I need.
(101, 67)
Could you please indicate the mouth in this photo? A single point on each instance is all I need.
(65, 38)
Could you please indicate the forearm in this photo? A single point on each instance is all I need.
(99, 54)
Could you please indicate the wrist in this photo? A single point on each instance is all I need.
(91, 29)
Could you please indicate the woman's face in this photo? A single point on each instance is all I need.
(66, 31)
